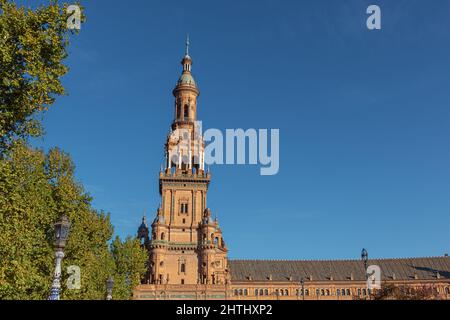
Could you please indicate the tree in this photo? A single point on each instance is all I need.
(130, 262)
(406, 292)
(26, 214)
(33, 45)
(35, 190)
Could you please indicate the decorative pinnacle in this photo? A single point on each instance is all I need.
(187, 44)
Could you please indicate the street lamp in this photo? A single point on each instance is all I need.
(302, 282)
(364, 258)
(109, 288)
(62, 227)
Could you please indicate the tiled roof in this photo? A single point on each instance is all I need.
(321, 270)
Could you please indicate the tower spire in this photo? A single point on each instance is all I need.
(187, 45)
(186, 81)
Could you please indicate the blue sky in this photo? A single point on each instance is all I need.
(364, 119)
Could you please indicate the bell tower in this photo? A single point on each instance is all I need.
(185, 244)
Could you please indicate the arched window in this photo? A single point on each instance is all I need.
(328, 292)
(266, 292)
(364, 292)
(447, 291)
(184, 208)
(174, 161)
(261, 292)
(343, 292)
(317, 292)
(236, 292)
(245, 292)
(338, 292)
(322, 292)
(348, 292)
(240, 292)
(256, 292)
(183, 267)
(216, 240)
(186, 111)
(162, 235)
(286, 292)
(179, 110)
(359, 292)
(306, 292)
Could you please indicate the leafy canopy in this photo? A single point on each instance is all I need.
(33, 45)
(36, 188)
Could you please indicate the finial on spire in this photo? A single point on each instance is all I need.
(187, 44)
(144, 220)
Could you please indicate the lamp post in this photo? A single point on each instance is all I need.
(365, 258)
(62, 227)
(302, 282)
(109, 288)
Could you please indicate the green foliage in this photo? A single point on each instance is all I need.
(35, 190)
(130, 261)
(26, 214)
(33, 44)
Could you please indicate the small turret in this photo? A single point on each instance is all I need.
(143, 232)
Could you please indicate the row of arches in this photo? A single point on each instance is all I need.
(300, 292)
(184, 112)
(318, 292)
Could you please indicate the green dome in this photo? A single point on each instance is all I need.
(186, 79)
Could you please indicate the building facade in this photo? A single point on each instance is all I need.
(188, 255)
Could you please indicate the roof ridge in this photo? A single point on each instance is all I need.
(332, 260)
